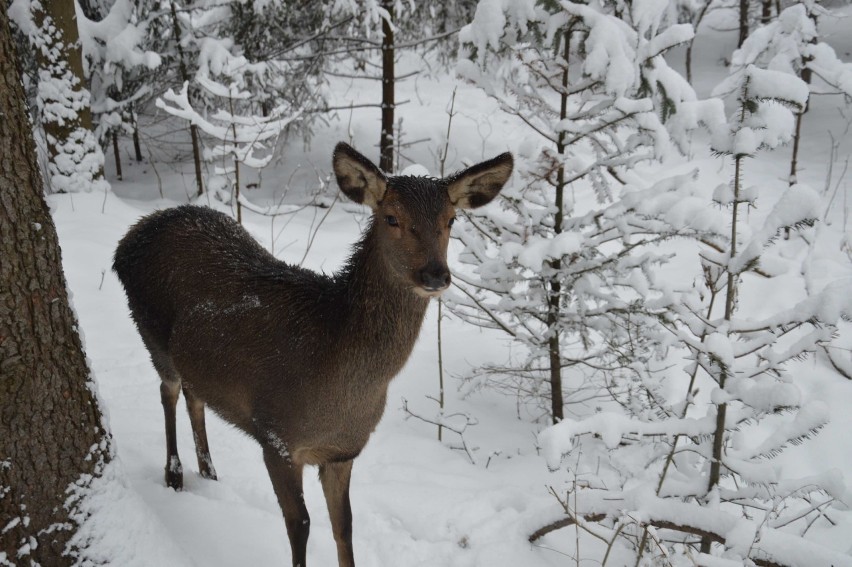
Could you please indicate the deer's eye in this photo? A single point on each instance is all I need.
(452, 220)
(391, 220)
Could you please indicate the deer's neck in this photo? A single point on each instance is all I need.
(382, 309)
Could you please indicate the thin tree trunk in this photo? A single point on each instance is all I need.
(193, 130)
(744, 5)
(554, 299)
(117, 155)
(766, 12)
(806, 75)
(695, 25)
(388, 88)
(794, 160)
(440, 368)
(442, 172)
(797, 135)
(137, 147)
(730, 306)
(51, 434)
(237, 203)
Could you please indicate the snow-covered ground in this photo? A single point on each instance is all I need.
(415, 501)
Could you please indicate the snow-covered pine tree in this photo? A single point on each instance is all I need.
(693, 476)
(119, 71)
(236, 139)
(285, 47)
(569, 280)
(791, 44)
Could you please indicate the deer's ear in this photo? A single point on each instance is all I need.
(357, 177)
(480, 183)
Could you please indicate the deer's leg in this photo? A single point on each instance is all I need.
(195, 408)
(169, 392)
(286, 479)
(335, 484)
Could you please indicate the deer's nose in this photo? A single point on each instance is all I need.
(435, 277)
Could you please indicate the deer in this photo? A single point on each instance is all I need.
(299, 361)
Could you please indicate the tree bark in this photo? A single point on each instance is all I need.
(744, 5)
(51, 434)
(117, 155)
(388, 88)
(137, 147)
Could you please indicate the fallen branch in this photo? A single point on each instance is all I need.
(771, 548)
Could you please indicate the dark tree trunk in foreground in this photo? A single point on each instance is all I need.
(49, 418)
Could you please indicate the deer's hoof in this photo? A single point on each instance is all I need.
(174, 474)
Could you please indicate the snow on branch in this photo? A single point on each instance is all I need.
(240, 136)
(115, 40)
(799, 205)
(558, 439)
(743, 539)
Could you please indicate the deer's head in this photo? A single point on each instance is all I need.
(413, 215)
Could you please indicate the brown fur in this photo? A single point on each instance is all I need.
(298, 360)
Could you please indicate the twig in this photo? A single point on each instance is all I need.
(315, 230)
(441, 421)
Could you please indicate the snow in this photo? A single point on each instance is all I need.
(114, 39)
(539, 250)
(487, 26)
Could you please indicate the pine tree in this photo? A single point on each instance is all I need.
(595, 94)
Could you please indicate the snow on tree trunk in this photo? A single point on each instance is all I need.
(75, 160)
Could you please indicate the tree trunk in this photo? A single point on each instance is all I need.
(117, 155)
(554, 299)
(237, 203)
(695, 24)
(193, 130)
(137, 147)
(51, 434)
(743, 22)
(765, 11)
(75, 158)
(806, 75)
(730, 306)
(388, 87)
